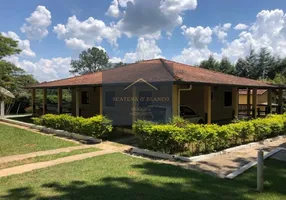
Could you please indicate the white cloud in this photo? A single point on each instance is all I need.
(198, 37)
(194, 56)
(146, 49)
(241, 27)
(91, 31)
(221, 31)
(147, 17)
(267, 31)
(115, 60)
(123, 3)
(113, 10)
(24, 45)
(77, 44)
(37, 25)
(45, 69)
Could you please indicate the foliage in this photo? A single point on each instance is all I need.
(260, 65)
(179, 134)
(12, 77)
(95, 126)
(8, 47)
(210, 63)
(91, 60)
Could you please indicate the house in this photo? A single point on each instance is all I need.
(138, 90)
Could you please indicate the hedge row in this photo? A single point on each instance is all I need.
(95, 126)
(179, 136)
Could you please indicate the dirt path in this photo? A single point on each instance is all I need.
(33, 166)
(41, 153)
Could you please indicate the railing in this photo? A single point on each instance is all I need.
(262, 110)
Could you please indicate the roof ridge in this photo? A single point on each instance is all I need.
(168, 70)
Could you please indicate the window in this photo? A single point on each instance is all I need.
(145, 95)
(84, 97)
(227, 99)
(109, 99)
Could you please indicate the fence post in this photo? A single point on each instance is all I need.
(260, 164)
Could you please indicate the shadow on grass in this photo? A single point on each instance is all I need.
(159, 181)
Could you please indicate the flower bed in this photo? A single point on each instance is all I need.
(181, 137)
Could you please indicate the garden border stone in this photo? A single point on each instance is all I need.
(201, 157)
(60, 133)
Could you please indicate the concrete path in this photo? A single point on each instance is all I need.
(41, 153)
(33, 166)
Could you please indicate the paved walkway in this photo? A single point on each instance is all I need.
(41, 153)
(33, 166)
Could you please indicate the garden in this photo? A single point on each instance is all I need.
(178, 136)
(182, 137)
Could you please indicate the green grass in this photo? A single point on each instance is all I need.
(118, 176)
(46, 158)
(19, 141)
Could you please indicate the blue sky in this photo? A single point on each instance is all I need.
(51, 33)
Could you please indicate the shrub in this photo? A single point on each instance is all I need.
(176, 136)
(95, 126)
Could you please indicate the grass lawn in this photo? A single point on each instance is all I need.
(119, 176)
(46, 158)
(19, 141)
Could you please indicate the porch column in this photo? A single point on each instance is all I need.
(269, 101)
(33, 101)
(175, 103)
(100, 100)
(77, 101)
(280, 101)
(207, 104)
(254, 103)
(235, 102)
(133, 104)
(60, 100)
(44, 101)
(248, 101)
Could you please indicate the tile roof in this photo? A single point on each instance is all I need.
(156, 70)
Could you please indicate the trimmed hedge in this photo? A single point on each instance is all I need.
(95, 126)
(180, 136)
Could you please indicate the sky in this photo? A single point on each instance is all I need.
(52, 33)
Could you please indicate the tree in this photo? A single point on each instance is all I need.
(265, 62)
(210, 64)
(226, 67)
(91, 60)
(12, 77)
(8, 47)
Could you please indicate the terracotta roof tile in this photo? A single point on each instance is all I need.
(157, 70)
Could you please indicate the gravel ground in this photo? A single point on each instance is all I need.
(224, 164)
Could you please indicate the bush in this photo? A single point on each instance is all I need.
(95, 126)
(176, 136)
